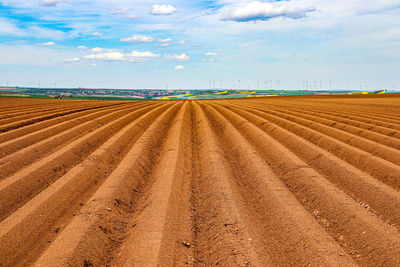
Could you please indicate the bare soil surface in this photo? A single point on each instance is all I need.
(286, 181)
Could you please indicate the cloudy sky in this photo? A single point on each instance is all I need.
(198, 44)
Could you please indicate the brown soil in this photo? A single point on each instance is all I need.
(288, 181)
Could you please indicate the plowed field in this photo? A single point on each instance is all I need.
(287, 181)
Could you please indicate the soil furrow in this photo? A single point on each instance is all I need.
(24, 106)
(23, 157)
(221, 236)
(15, 190)
(13, 134)
(96, 232)
(49, 209)
(40, 113)
(379, 145)
(273, 181)
(365, 119)
(276, 215)
(163, 227)
(360, 115)
(370, 126)
(23, 123)
(363, 232)
(377, 167)
(366, 112)
(367, 124)
(57, 131)
(12, 114)
(373, 195)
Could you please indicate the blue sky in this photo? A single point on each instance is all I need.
(195, 44)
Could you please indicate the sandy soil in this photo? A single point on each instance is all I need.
(287, 181)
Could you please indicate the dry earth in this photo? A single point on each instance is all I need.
(288, 181)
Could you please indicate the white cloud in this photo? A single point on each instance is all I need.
(256, 10)
(181, 57)
(138, 39)
(116, 56)
(181, 42)
(211, 54)
(48, 44)
(132, 17)
(97, 34)
(164, 44)
(155, 27)
(340, 31)
(179, 67)
(41, 32)
(100, 50)
(164, 40)
(33, 55)
(97, 49)
(210, 60)
(51, 3)
(134, 56)
(120, 11)
(162, 10)
(82, 47)
(140, 56)
(8, 28)
(93, 64)
(72, 60)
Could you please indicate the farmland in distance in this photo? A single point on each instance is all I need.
(282, 181)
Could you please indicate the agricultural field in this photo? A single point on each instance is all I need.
(161, 94)
(274, 181)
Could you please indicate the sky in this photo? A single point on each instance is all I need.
(174, 44)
